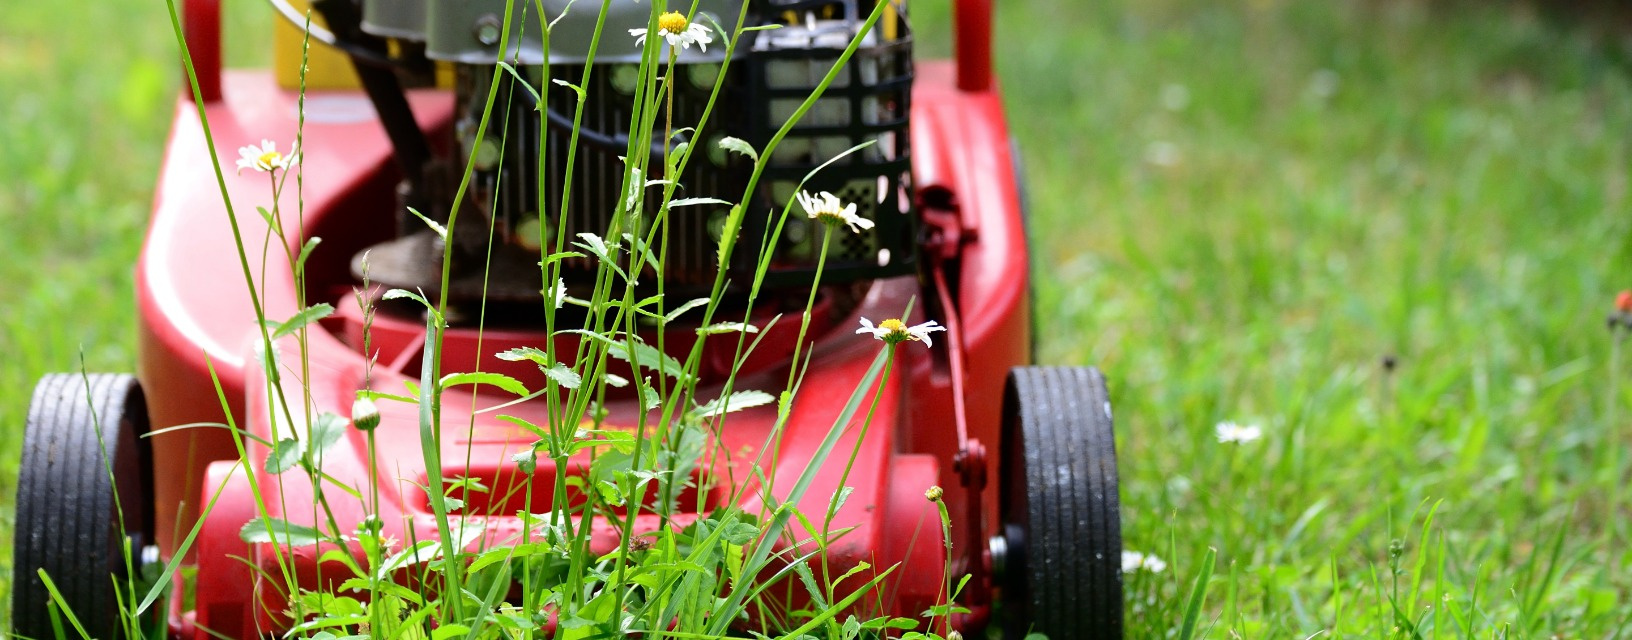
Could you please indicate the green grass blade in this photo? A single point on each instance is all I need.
(1198, 595)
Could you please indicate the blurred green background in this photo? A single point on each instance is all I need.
(1239, 210)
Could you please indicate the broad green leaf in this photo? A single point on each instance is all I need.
(598, 247)
(526, 424)
(609, 493)
(526, 461)
(320, 622)
(451, 504)
(688, 306)
(739, 533)
(560, 373)
(280, 532)
(737, 401)
(305, 317)
(404, 293)
(521, 354)
(500, 554)
(727, 327)
(563, 376)
(557, 257)
(284, 455)
(649, 398)
(381, 395)
(649, 300)
(840, 498)
(739, 145)
(499, 380)
(421, 551)
(466, 482)
(327, 430)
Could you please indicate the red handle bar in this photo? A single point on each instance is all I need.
(972, 38)
(201, 25)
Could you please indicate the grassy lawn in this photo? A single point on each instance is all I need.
(1240, 209)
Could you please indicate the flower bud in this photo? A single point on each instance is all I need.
(934, 494)
(364, 415)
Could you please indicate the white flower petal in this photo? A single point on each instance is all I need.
(1231, 432)
(1134, 561)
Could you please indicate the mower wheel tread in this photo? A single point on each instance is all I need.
(1060, 490)
(67, 522)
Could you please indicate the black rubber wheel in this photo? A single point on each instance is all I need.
(67, 520)
(1062, 566)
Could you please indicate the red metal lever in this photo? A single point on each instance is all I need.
(201, 25)
(972, 39)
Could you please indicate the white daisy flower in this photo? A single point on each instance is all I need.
(1134, 561)
(265, 157)
(894, 331)
(680, 32)
(827, 208)
(1238, 433)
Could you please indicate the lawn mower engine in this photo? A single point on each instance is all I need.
(1021, 457)
(771, 75)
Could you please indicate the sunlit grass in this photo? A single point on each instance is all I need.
(1238, 210)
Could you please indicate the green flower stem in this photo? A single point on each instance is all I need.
(810, 302)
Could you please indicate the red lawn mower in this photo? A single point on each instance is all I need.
(1025, 454)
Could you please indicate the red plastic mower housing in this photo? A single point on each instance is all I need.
(936, 423)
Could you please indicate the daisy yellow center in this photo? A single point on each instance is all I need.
(269, 158)
(893, 326)
(672, 22)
